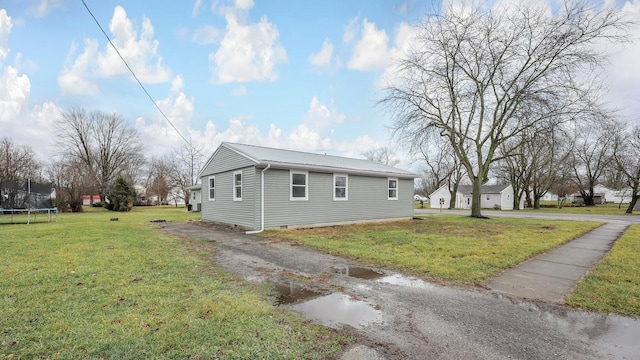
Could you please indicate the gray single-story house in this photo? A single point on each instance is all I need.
(492, 197)
(261, 188)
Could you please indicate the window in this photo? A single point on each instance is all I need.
(212, 188)
(237, 186)
(393, 189)
(299, 185)
(488, 197)
(340, 187)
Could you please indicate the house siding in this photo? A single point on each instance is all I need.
(367, 200)
(225, 160)
(441, 193)
(224, 209)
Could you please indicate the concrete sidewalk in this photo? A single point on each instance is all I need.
(552, 275)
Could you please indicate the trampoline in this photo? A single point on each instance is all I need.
(25, 197)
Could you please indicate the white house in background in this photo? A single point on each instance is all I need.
(492, 197)
(549, 196)
(196, 197)
(614, 196)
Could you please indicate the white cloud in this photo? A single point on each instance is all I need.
(140, 52)
(324, 56)
(247, 52)
(158, 133)
(320, 116)
(244, 4)
(405, 38)
(370, 51)
(196, 8)
(206, 35)
(73, 79)
(43, 7)
(24, 125)
(351, 30)
(239, 91)
(5, 30)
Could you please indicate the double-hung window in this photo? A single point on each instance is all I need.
(237, 185)
(299, 185)
(393, 188)
(212, 189)
(340, 187)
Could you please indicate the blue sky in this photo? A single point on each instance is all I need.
(293, 74)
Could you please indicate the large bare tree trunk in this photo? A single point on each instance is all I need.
(476, 198)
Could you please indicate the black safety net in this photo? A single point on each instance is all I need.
(25, 194)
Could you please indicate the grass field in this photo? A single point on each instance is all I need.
(614, 284)
(88, 287)
(449, 249)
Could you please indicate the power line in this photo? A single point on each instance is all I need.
(138, 80)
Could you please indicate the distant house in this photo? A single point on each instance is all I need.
(598, 198)
(549, 196)
(622, 196)
(492, 197)
(86, 199)
(196, 197)
(265, 188)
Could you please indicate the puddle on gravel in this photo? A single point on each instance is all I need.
(394, 279)
(612, 334)
(292, 293)
(336, 309)
(401, 280)
(359, 272)
(331, 310)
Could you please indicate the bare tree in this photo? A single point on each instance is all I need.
(102, 142)
(17, 162)
(626, 155)
(592, 154)
(442, 167)
(71, 184)
(185, 164)
(481, 77)
(158, 182)
(383, 155)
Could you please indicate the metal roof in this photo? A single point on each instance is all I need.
(290, 159)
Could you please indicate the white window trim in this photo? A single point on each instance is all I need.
(209, 189)
(306, 186)
(389, 188)
(346, 187)
(233, 182)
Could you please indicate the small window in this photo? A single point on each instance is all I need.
(488, 197)
(237, 186)
(299, 185)
(393, 189)
(212, 188)
(194, 195)
(340, 187)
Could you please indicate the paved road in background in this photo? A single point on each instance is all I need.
(629, 219)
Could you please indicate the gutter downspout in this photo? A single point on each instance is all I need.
(261, 202)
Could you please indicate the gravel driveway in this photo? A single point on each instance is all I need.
(408, 318)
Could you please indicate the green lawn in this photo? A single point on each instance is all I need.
(614, 284)
(88, 287)
(449, 249)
